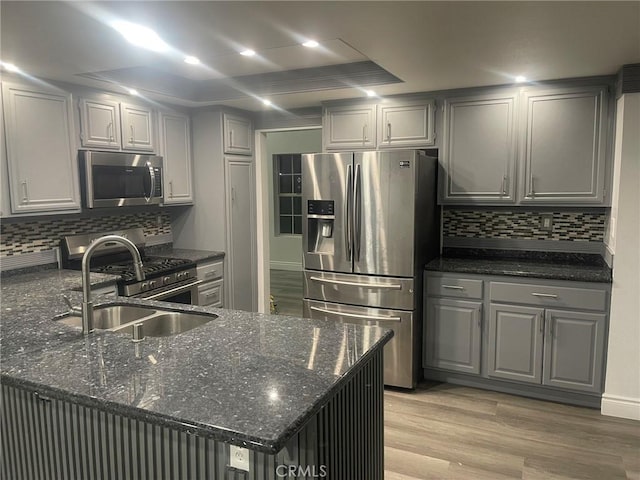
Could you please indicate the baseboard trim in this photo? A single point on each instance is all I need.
(291, 266)
(623, 407)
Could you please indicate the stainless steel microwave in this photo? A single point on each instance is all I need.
(115, 179)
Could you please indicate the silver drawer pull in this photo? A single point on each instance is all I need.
(545, 295)
(453, 287)
(210, 274)
(355, 315)
(393, 286)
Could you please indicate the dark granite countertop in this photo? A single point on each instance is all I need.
(552, 265)
(245, 378)
(167, 250)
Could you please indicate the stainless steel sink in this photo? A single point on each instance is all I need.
(111, 316)
(164, 324)
(155, 322)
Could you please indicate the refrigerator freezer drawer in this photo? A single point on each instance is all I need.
(383, 292)
(400, 369)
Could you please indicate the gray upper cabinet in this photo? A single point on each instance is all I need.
(479, 149)
(406, 125)
(100, 124)
(41, 152)
(452, 334)
(350, 127)
(175, 148)
(238, 135)
(138, 127)
(515, 342)
(574, 350)
(107, 124)
(562, 146)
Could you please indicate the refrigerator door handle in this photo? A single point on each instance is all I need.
(392, 286)
(355, 315)
(347, 216)
(357, 214)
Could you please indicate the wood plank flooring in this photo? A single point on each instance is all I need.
(443, 431)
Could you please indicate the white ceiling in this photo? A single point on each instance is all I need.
(428, 45)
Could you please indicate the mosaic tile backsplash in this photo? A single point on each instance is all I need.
(524, 225)
(41, 235)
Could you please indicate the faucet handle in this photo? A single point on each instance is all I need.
(72, 308)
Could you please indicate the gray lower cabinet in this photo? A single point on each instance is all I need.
(453, 334)
(515, 342)
(574, 350)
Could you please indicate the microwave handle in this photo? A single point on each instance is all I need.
(152, 177)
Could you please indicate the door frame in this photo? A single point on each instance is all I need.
(262, 211)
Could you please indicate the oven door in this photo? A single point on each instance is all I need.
(186, 294)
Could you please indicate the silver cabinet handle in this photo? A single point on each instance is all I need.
(504, 185)
(355, 315)
(131, 139)
(532, 192)
(233, 195)
(544, 295)
(542, 324)
(171, 189)
(392, 286)
(453, 287)
(389, 132)
(25, 191)
(110, 131)
(231, 138)
(211, 274)
(364, 133)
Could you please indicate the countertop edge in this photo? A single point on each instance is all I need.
(523, 274)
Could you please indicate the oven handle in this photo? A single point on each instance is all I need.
(180, 289)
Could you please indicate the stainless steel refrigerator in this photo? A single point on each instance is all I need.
(370, 223)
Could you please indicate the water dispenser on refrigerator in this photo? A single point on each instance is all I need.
(320, 219)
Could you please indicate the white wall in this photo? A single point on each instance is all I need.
(285, 251)
(622, 388)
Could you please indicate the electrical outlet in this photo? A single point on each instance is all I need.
(546, 222)
(239, 458)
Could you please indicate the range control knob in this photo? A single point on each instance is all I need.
(144, 286)
(166, 280)
(152, 284)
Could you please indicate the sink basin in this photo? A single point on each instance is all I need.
(111, 316)
(155, 322)
(165, 323)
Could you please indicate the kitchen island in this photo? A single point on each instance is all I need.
(299, 395)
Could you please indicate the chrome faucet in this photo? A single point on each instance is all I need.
(87, 304)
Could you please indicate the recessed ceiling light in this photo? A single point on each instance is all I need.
(10, 67)
(191, 60)
(266, 102)
(248, 52)
(133, 91)
(520, 79)
(141, 36)
(310, 44)
(370, 93)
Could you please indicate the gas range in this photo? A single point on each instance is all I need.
(162, 274)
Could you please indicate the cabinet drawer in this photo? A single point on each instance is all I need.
(454, 287)
(547, 296)
(210, 294)
(210, 271)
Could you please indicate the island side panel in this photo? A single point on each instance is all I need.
(45, 437)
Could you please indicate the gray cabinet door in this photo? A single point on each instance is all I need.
(100, 124)
(479, 149)
(515, 343)
(406, 125)
(349, 127)
(175, 148)
(241, 233)
(562, 146)
(574, 350)
(452, 334)
(138, 127)
(41, 152)
(238, 135)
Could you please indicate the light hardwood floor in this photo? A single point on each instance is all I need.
(443, 431)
